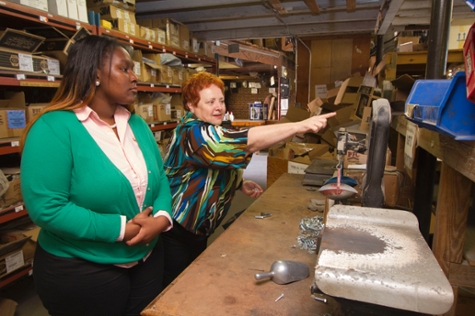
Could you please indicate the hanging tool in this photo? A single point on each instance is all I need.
(372, 193)
(336, 190)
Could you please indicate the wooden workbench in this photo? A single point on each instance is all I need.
(221, 281)
(453, 201)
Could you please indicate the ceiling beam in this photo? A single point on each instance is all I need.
(313, 6)
(391, 12)
(351, 5)
(170, 5)
(251, 53)
(356, 27)
(278, 7)
(293, 20)
(245, 12)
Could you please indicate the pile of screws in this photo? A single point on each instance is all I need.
(310, 230)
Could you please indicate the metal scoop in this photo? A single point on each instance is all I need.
(337, 192)
(285, 271)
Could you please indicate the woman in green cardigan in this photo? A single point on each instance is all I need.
(92, 178)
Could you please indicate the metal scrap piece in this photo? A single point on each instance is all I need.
(311, 230)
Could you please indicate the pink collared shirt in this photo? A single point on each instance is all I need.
(123, 152)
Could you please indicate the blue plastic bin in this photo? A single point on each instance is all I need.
(441, 105)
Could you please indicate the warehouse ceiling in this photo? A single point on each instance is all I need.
(231, 20)
(247, 19)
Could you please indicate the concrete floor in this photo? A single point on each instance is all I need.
(23, 291)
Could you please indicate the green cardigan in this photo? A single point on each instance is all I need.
(76, 194)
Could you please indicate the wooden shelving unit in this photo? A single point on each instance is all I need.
(414, 63)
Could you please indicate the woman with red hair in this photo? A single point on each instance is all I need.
(204, 164)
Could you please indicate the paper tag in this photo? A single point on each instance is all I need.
(25, 62)
(410, 145)
(53, 66)
(296, 168)
(14, 261)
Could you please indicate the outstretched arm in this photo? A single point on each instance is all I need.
(261, 137)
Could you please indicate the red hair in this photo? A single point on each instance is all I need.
(197, 82)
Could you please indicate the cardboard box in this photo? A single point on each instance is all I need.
(178, 75)
(162, 112)
(16, 40)
(206, 49)
(7, 306)
(125, 26)
(58, 7)
(194, 45)
(166, 74)
(148, 34)
(33, 109)
(171, 28)
(145, 111)
(12, 115)
(124, 4)
(347, 94)
(72, 9)
(177, 113)
(292, 157)
(58, 43)
(111, 12)
(184, 37)
(407, 43)
(362, 102)
(82, 11)
(145, 69)
(161, 36)
(30, 231)
(13, 194)
(36, 4)
(54, 39)
(403, 85)
(11, 256)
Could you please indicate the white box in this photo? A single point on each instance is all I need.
(72, 9)
(37, 4)
(82, 11)
(58, 7)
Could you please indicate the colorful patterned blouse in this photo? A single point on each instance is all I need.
(204, 166)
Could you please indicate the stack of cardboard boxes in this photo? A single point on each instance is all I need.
(72, 9)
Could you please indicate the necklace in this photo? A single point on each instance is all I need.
(113, 125)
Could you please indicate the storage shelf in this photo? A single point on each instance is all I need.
(17, 274)
(143, 44)
(9, 145)
(414, 62)
(158, 87)
(26, 13)
(18, 79)
(162, 126)
(13, 212)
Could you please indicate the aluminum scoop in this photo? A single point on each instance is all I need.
(285, 271)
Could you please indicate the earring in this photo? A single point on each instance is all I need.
(98, 83)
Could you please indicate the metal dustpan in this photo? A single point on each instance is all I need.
(379, 256)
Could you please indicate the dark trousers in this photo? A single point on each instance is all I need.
(181, 248)
(80, 287)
